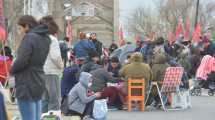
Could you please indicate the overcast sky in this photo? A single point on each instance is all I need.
(127, 6)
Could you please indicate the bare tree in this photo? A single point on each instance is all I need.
(169, 12)
(13, 9)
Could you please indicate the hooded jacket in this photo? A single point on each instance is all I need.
(28, 66)
(159, 67)
(78, 99)
(100, 79)
(54, 63)
(137, 69)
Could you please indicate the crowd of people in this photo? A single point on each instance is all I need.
(89, 73)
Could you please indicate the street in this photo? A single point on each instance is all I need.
(202, 109)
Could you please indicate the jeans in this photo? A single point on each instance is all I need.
(30, 110)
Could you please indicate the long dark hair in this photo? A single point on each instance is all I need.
(50, 22)
(27, 20)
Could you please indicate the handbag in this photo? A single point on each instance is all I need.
(100, 109)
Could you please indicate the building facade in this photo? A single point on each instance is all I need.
(97, 16)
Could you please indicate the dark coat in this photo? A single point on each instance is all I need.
(159, 67)
(114, 71)
(113, 47)
(89, 66)
(69, 79)
(100, 79)
(210, 50)
(98, 45)
(28, 66)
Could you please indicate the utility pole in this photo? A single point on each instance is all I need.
(197, 12)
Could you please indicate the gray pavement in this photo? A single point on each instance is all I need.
(203, 108)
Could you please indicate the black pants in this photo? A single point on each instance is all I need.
(87, 111)
(65, 62)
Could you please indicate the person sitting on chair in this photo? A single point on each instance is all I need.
(136, 70)
(158, 69)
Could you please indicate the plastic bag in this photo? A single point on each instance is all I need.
(100, 109)
(181, 100)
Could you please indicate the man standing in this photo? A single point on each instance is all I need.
(98, 44)
(64, 50)
(83, 47)
(53, 68)
(28, 67)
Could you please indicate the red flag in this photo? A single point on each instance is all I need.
(69, 31)
(137, 38)
(2, 23)
(179, 29)
(187, 31)
(171, 37)
(197, 33)
(121, 36)
(2, 34)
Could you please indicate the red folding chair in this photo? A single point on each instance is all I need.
(5, 66)
(172, 80)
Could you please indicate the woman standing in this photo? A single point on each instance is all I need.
(28, 67)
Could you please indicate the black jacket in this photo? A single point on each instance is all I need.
(98, 46)
(28, 66)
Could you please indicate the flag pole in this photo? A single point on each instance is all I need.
(197, 12)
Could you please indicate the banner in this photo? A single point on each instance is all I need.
(121, 36)
(69, 31)
(197, 33)
(179, 29)
(171, 37)
(83, 9)
(137, 38)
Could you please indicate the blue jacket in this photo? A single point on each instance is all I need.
(83, 47)
(69, 79)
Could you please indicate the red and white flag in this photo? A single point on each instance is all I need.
(197, 33)
(69, 31)
(179, 29)
(121, 36)
(137, 38)
(171, 37)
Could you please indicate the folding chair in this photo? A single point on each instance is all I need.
(172, 80)
(139, 85)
